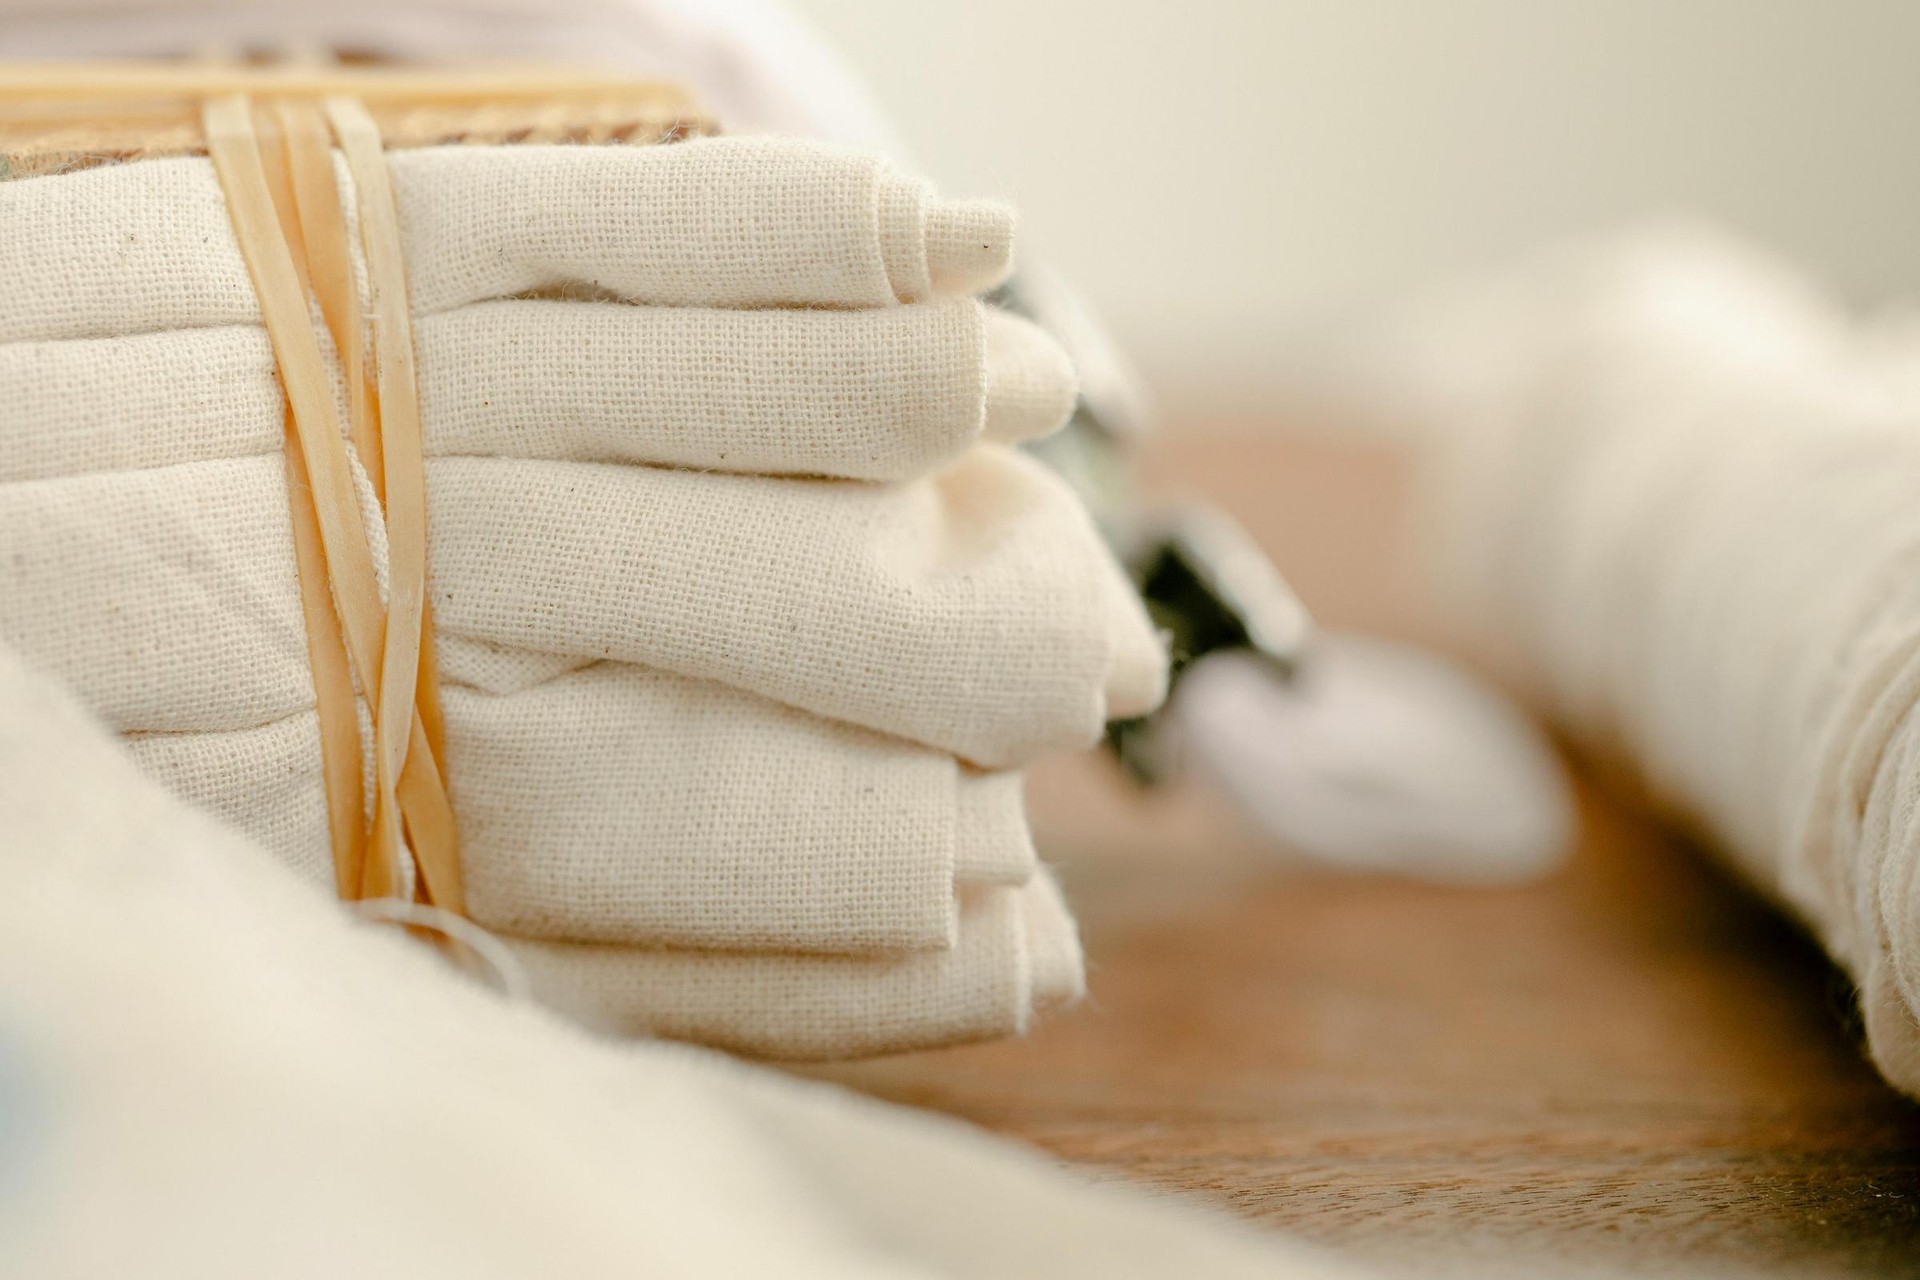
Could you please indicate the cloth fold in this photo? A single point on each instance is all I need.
(166, 596)
(619, 804)
(1016, 951)
(878, 394)
(711, 222)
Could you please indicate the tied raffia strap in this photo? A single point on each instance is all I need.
(272, 132)
(285, 211)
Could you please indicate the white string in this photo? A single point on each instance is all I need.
(500, 968)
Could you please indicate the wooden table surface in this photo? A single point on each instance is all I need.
(1633, 1063)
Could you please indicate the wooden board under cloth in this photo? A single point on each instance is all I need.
(55, 127)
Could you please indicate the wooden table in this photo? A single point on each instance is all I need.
(1632, 1063)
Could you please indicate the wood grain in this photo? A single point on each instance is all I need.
(1632, 1064)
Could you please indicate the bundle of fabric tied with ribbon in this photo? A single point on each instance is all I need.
(1675, 487)
(620, 546)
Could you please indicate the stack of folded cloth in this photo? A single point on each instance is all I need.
(748, 614)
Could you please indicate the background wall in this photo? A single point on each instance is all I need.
(1222, 175)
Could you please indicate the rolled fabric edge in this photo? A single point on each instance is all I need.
(1031, 386)
(265, 783)
(969, 245)
(932, 246)
(901, 214)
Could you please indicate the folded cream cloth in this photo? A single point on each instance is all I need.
(995, 647)
(1017, 953)
(880, 393)
(685, 708)
(1679, 486)
(208, 1071)
(621, 804)
(762, 832)
(713, 222)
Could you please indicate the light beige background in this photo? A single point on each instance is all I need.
(1220, 175)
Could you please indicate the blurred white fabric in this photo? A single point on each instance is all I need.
(207, 1070)
(1378, 756)
(1673, 486)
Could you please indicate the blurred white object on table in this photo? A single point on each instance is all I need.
(1377, 756)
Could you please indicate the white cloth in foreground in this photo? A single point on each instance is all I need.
(1679, 489)
(746, 611)
(208, 1071)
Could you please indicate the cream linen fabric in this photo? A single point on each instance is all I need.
(210, 1072)
(621, 804)
(726, 724)
(1017, 951)
(1682, 487)
(714, 222)
(975, 611)
(879, 394)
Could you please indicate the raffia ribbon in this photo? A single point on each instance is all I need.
(271, 133)
(296, 249)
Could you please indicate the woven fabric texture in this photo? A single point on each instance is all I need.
(689, 814)
(748, 616)
(878, 394)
